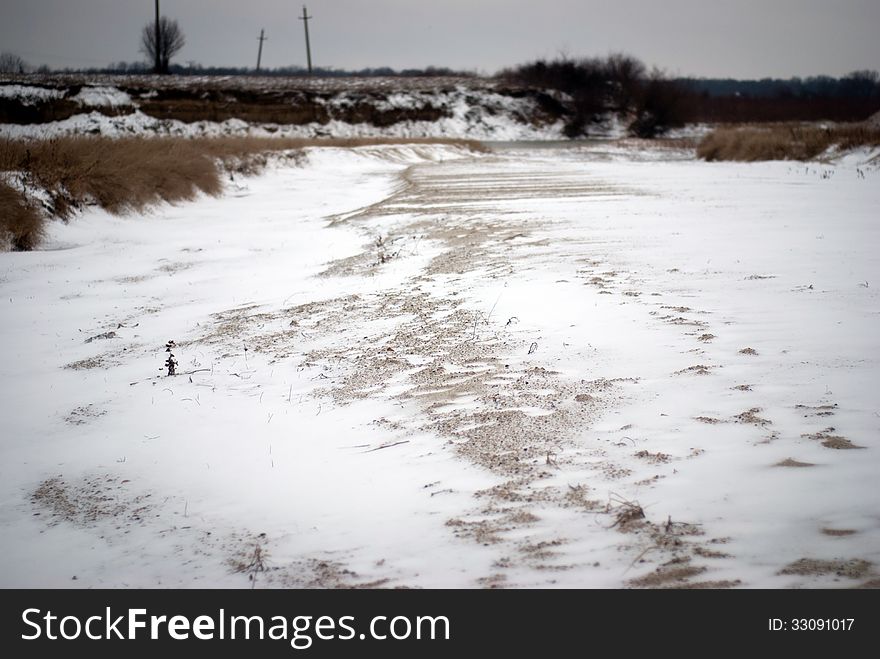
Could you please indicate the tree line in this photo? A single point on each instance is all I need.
(858, 84)
(652, 102)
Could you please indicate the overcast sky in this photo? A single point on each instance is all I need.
(712, 38)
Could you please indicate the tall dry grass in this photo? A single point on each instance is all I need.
(125, 175)
(21, 226)
(117, 175)
(784, 141)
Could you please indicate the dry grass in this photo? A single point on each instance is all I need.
(784, 141)
(21, 226)
(125, 175)
(117, 175)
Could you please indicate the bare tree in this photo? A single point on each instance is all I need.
(626, 74)
(11, 63)
(170, 42)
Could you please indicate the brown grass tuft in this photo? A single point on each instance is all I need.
(21, 226)
(784, 141)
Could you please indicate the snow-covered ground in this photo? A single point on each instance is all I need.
(482, 114)
(418, 366)
(29, 94)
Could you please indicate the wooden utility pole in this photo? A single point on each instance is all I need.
(157, 47)
(260, 51)
(305, 19)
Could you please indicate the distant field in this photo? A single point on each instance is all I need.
(298, 101)
(262, 83)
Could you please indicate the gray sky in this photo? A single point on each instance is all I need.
(713, 38)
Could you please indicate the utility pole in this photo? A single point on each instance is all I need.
(157, 48)
(260, 51)
(305, 19)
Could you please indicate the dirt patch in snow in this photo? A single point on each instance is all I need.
(89, 500)
(90, 363)
(838, 533)
(830, 440)
(667, 576)
(698, 369)
(817, 410)
(750, 416)
(851, 569)
(791, 462)
(81, 415)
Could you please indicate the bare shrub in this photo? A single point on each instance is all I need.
(626, 73)
(585, 81)
(657, 107)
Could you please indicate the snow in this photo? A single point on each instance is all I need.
(102, 97)
(341, 433)
(29, 94)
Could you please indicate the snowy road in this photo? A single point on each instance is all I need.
(585, 367)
